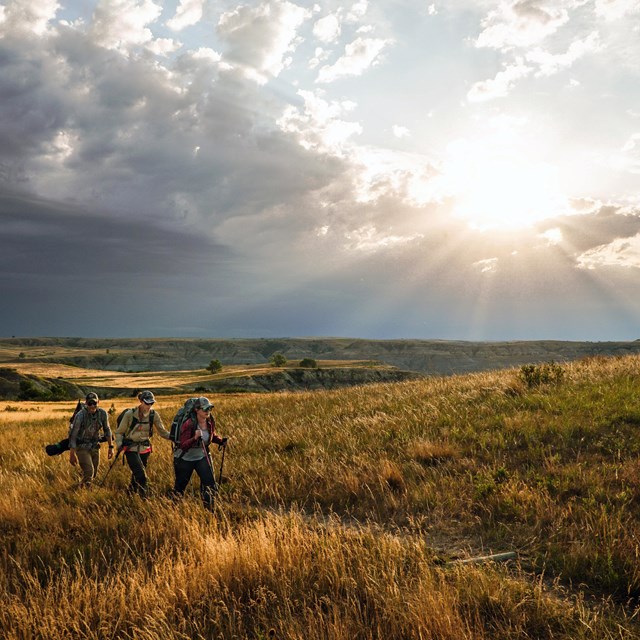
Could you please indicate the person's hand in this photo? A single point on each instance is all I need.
(73, 459)
(110, 454)
(224, 441)
(198, 434)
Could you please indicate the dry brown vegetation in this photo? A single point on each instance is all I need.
(342, 517)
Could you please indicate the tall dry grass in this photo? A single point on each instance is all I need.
(340, 514)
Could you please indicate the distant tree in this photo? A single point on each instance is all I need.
(22, 355)
(308, 363)
(278, 360)
(215, 366)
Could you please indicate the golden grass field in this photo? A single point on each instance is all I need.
(343, 516)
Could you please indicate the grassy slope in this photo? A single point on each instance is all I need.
(339, 511)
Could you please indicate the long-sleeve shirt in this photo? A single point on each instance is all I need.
(138, 437)
(190, 448)
(86, 428)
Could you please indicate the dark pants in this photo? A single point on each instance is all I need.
(137, 463)
(208, 485)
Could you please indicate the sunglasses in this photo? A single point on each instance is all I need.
(207, 410)
(92, 404)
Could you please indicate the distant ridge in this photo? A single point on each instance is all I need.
(434, 357)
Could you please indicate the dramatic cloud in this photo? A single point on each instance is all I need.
(276, 168)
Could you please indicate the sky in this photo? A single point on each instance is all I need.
(463, 169)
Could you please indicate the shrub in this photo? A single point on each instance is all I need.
(278, 360)
(536, 375)
(215, 366)
(308, 363)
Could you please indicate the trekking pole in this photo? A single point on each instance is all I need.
(113, 464)
(208, 457)
(224, 448)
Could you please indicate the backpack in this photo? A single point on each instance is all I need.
(57, 448)
(186, 411)
(134, 421)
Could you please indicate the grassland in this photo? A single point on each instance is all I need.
(344, 515)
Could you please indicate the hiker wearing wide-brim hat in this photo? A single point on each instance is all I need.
(196, 434)
(85, 438)
(133, 437)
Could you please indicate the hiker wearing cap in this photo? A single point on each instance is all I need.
(133, 436)
(85, 438)
(196, 434)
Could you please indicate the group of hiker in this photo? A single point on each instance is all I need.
(195, 432)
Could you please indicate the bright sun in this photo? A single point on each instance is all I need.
(498, 188)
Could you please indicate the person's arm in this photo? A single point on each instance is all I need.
(157, 424)
(106, 430)
(122, 428)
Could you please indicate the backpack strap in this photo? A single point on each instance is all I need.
(132, 426)
(152, 415)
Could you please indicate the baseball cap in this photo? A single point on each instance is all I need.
(92, 398)
(147, 397)
(203, 403)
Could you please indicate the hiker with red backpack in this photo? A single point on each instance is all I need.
(191, 454)
(133, 437)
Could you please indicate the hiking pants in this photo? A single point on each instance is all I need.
(89, 460)
(137, 463)
(208, 486)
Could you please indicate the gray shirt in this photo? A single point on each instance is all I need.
(195, 453)
(87, 427)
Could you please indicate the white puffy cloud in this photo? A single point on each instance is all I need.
(357, 10)
(327, 29)
(358, 56)
(121, 24)
(260, 37)
(319, 123)
(27, 15)
(501, 85)
(163, 46)
(188, 12)
(522, 23)
(399, 131)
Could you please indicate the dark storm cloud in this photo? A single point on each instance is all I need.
(37, 233)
